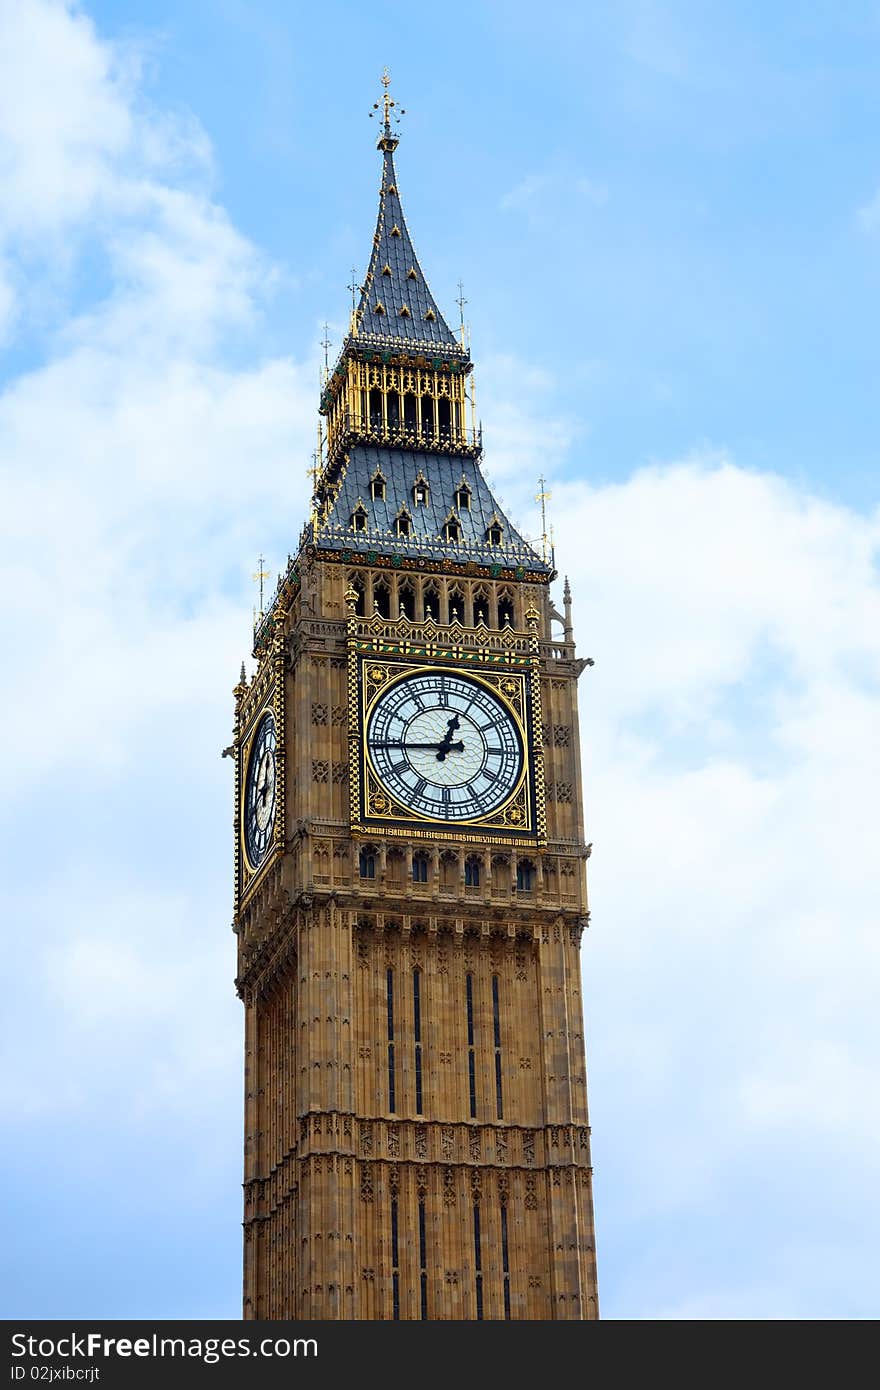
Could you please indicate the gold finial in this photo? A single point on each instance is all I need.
(543, 497)
(387, 141)
(260, 575)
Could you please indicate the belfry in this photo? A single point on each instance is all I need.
(410, 888)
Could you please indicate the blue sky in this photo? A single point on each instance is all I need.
(667, 221)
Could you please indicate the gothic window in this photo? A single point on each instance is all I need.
(403, 524)
(472, 1065)
(392, 406)
(494, 534)
(406, 596)
(359, 518)
(423, 1261)
(481, 607)
(463, 498)
(381, 598)
(472, 867)
(452, 530)
(428, 423)
(420, 867)
(478, 1263)
(496, 1038)
(417, 1036)
(377, 482)
(420, 493)
(456, 604)
(443, 419)
(410, 413)
(525, 876)
(505, 1262)
(389, 995)
(432, 600)
(395, 1268)
(367, 862)
(505, 608)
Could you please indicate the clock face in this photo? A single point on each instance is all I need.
(445, 746)
(259, 793)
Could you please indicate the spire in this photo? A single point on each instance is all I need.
(395, 301)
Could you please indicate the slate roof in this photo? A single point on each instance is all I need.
(444, 474)
(394, 279)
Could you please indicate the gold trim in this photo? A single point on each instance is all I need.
(370, 676)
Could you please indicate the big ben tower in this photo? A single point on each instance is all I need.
(410, 887)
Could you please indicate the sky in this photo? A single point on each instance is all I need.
(666, 218)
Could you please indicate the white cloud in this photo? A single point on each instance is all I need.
(729, 724)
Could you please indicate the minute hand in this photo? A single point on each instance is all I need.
(456, 747)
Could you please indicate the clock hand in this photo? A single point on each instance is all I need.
(446, 744)
(458, 747)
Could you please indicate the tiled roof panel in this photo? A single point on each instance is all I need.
(444, 475)
(395, 280)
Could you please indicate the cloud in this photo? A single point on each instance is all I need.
(729, 728)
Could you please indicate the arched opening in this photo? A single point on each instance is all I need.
(381, 598)
(525, 876)
(392, 405)
(429, 427)
(359, 518)
(505, 608)
(463, 498)
(456, 604)
(431, 596)
(377, 487)
(403, 524)
(443, 418)
(376, 409)
(410, 413)
(406, 595)
(452, 530)
(481, 607)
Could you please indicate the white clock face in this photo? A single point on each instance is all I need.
(259, 794)
(444, 746)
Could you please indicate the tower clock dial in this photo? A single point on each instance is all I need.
(259, 792)
(445, 746)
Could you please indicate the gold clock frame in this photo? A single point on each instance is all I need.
(372, 806)
(248, 876)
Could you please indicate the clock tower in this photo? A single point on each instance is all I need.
(410, 888)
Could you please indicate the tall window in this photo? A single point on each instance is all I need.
(423, 1260)
(367, 863)
(505, 1262)
(496, 1029)
(525, 874)
(417, 1035)
(472, 871)
(478, 1262)
(395, 1265)
(389, 986)
(420, 867)
(472, 1063)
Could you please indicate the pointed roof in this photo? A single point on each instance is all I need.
(396, 302)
